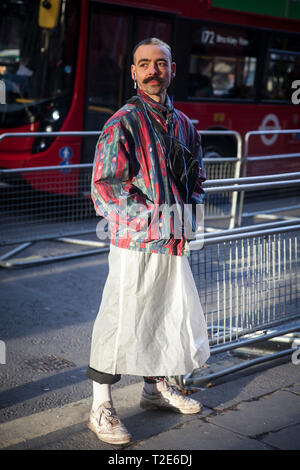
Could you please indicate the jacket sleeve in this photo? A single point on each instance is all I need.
(113, 195)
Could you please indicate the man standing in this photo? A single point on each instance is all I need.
(150, 322)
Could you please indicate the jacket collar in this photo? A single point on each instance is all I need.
(157, 107)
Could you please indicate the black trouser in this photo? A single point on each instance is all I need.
(104, 378)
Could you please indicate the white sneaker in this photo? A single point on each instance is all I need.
(169, 398)
(108, 427)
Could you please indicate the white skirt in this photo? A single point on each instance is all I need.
(150, 320)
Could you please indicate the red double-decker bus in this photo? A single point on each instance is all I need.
(65, 65)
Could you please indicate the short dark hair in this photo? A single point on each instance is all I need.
(152, 41)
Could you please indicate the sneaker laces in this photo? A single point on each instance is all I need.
(173, 390)
(110, 414)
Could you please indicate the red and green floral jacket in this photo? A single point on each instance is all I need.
(131, 184)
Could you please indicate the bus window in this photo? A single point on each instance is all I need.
(282, 67)
(107, 52)
(222, 63)
(36, 64)
(153, 26)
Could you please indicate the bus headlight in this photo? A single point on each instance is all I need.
(55, 115)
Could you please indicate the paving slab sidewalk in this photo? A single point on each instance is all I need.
(258, 410)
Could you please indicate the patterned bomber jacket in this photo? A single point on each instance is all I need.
(130, 180)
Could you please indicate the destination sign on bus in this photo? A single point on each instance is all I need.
(211, 37)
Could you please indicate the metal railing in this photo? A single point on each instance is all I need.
(248, 280)
(251, 233)
(275, 132)
(273, 212)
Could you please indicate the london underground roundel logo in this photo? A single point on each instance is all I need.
(269, 123)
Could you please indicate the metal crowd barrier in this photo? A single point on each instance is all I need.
(248, 280)
(271, 214)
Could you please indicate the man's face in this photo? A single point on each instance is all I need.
(153, 70)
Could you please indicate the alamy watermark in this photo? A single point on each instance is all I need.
(296, 94)
(141, 223)
(2, 352)
(2, 92)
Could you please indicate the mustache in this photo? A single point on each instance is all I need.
(154, 77)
